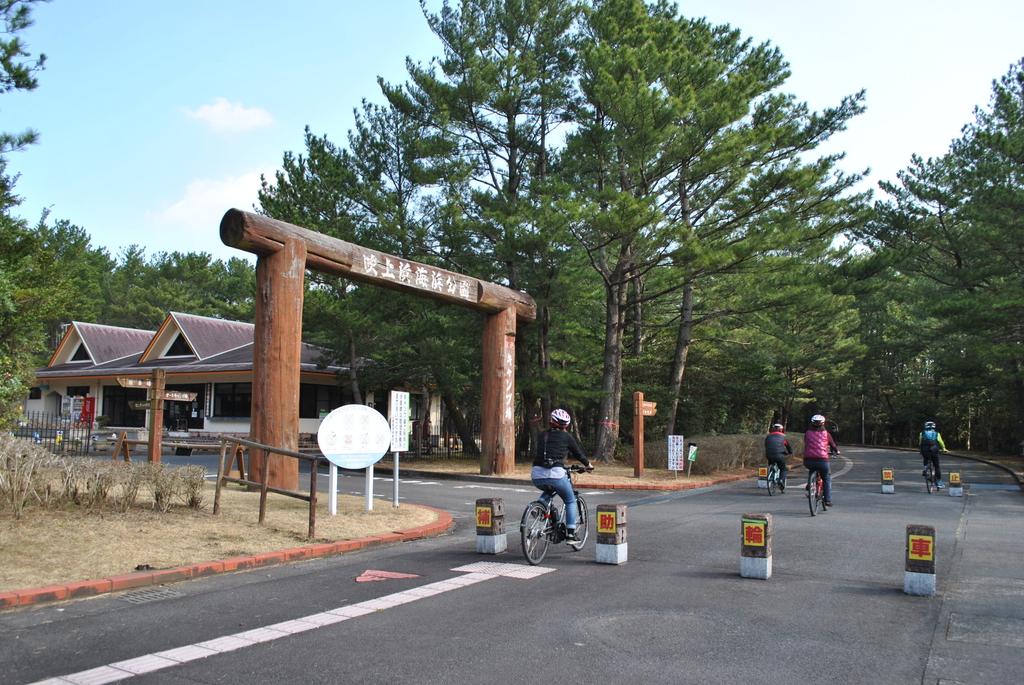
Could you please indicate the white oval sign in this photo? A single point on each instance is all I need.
(354, 436)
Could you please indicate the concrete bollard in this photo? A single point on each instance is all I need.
(919, 577)
(756, 546)
(762, 477)
(888, 480)
(490, 526)
(956, 486)
(611, 534)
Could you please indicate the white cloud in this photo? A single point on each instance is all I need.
(192, 223)
(230, 117)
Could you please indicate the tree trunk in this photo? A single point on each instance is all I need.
(353, 372)
(611, 382)
(682, 351)
(469, 447)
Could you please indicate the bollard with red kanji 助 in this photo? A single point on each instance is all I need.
(490, 526)
(956, 485)
(762, 477)
(756, 546)
(611, 534)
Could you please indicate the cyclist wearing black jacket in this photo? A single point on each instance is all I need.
(553, 446)
(776, 448)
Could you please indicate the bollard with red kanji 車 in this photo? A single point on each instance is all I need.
(756, 546)
(888, 480)
(611, 534)
(919, 577)
(490, 526)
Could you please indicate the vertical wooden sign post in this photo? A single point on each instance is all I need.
(640, 410)
(156, 415)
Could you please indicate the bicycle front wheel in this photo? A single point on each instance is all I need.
(582, 525)
(929, 480)
(533, 532)
(812, 492)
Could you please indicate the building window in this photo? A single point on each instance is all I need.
(77, 391)
(81, 354)
(117, 409)
(317, 400)
(233, 400)
(179, 348)
(35, 393)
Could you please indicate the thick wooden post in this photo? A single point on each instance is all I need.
(497, 415)
(156, 415)
(638, 434)
(276, 362)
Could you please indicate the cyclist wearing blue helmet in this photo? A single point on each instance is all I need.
(930, 440)
(553, 446)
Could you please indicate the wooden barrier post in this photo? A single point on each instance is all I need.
(888, 480)
(611, 547)
(491, 537)
(640, 410)
(756, 546)
(919, 576)
(497, 427)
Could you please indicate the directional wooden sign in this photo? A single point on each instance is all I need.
(179, 396)
(649, 408)
(126, 382)
(139, 405)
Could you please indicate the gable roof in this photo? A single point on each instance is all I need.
(219, 345)
(102, 343)
(206, 335)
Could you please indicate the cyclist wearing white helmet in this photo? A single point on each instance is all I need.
(930, 440)
(548, 470)
(818, 445)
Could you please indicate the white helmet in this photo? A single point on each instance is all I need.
(560, 419)
(817, 420)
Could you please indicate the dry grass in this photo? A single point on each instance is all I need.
(51, 547)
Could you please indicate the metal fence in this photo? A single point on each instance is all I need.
(59, 434)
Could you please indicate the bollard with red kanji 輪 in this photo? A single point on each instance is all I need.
(919, 577)
(490, 526)
(611, 534)
(888, 480)
(756, 546)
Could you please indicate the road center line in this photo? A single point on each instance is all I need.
(148, 663)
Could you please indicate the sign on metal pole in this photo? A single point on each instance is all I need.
(691, 456)
(398, 419)
(355, 437)
(675, 453)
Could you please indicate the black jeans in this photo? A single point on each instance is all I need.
(932, 456)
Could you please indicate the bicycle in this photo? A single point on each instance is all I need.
(544, 523)
(774, 480)
(930, 481)
(816, 492)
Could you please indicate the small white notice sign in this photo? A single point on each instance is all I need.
(398, 410)
(676, 459)
(354, 436)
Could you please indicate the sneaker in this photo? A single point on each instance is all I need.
(570, 536)
(829, 504)
(940, 485)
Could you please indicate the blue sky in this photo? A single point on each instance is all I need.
(156, 117)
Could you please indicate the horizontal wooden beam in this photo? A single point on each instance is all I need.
(262, 235)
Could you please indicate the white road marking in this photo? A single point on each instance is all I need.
(148, 663)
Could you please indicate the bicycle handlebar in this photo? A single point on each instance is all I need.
(579, 468)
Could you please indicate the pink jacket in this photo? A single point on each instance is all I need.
(816, 444)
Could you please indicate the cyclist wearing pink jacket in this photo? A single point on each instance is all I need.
(818, 445)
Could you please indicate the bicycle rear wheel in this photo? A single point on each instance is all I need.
(929, 479)
(773, 479)
(533, 532)
(582, 525)
(812, 492)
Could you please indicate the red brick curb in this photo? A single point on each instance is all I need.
(88, 588)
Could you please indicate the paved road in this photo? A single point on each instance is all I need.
(676, 612)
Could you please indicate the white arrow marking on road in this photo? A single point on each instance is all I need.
(148, 663)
